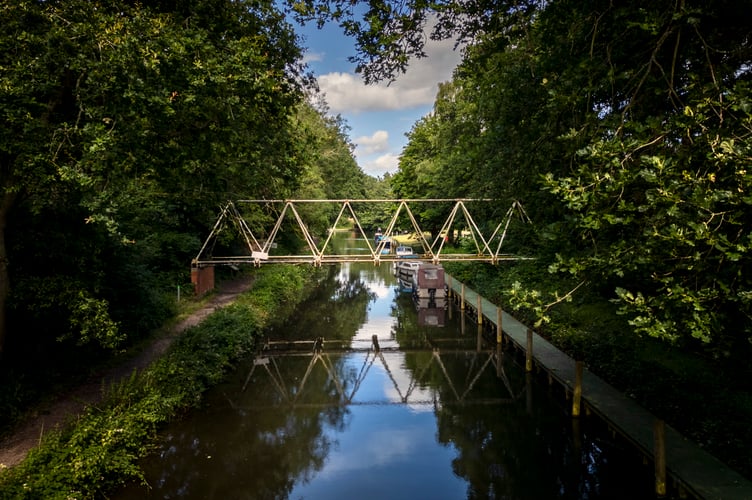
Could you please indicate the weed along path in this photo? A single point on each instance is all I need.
(15, 447)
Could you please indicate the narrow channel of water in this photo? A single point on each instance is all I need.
(433, 413)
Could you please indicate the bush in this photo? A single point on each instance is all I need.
(99, 451)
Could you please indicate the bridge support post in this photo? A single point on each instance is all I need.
(202, 279)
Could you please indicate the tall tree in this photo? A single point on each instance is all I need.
(131, 111)
(635, 116)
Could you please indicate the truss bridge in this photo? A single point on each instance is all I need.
(260, 224)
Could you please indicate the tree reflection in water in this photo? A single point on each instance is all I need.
(431, 421)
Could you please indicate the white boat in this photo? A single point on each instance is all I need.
(405, 252)
(405, 270)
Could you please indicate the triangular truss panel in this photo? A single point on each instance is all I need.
(259, 239)
(293, 390)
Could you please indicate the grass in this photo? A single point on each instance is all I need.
(99, 451)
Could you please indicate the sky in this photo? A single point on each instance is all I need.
(379, 115)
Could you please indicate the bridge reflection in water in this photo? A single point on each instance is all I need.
(414, 412)
(409, 386)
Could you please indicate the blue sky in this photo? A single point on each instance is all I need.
(379, 115)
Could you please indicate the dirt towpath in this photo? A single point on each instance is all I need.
(15, 447)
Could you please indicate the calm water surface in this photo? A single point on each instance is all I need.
(434, 413)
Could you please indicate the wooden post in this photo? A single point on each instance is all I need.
(529, 353)
(462, 298)
(480, 311)
(499, 360)
(577, 389)
(577, 436)
(499, 331)
(449, 287)
(529, 393)
(659, 455)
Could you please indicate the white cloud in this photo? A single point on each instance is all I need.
(376, 143)
(346, 92)
(310, 57)
(381, 165)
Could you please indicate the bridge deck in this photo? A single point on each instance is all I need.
(701, 473)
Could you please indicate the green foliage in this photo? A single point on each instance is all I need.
(91, 319)
(668, 221)
(100, 450)
(625, 131)
(158, 113)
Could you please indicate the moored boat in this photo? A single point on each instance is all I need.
(405, 252)
(405, 271)
(428, 281)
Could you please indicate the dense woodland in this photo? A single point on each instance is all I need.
(622, 127)
(125, 128)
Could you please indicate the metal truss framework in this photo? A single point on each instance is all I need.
(292, 393)
(488, 247)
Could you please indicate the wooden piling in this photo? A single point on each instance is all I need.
(462, 298)
(529, 353)
(499, 331)
(577, 397)
(659, 456)
(529, 393)
(480, 310)
(499, 360)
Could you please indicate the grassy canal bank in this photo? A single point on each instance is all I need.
(100, 450)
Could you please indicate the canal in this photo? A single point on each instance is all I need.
(396, 403)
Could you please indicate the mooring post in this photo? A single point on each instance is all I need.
(577, 436)
(449, 286)
(499, 360)
(462, 298)
(659, 439)
(529, 353)
(480, 310)
(577, 389)
(499, 331)
(529, 393)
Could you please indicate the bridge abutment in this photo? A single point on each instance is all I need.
(202, 279)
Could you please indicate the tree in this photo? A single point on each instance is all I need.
(633, 118)
(141, 115)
